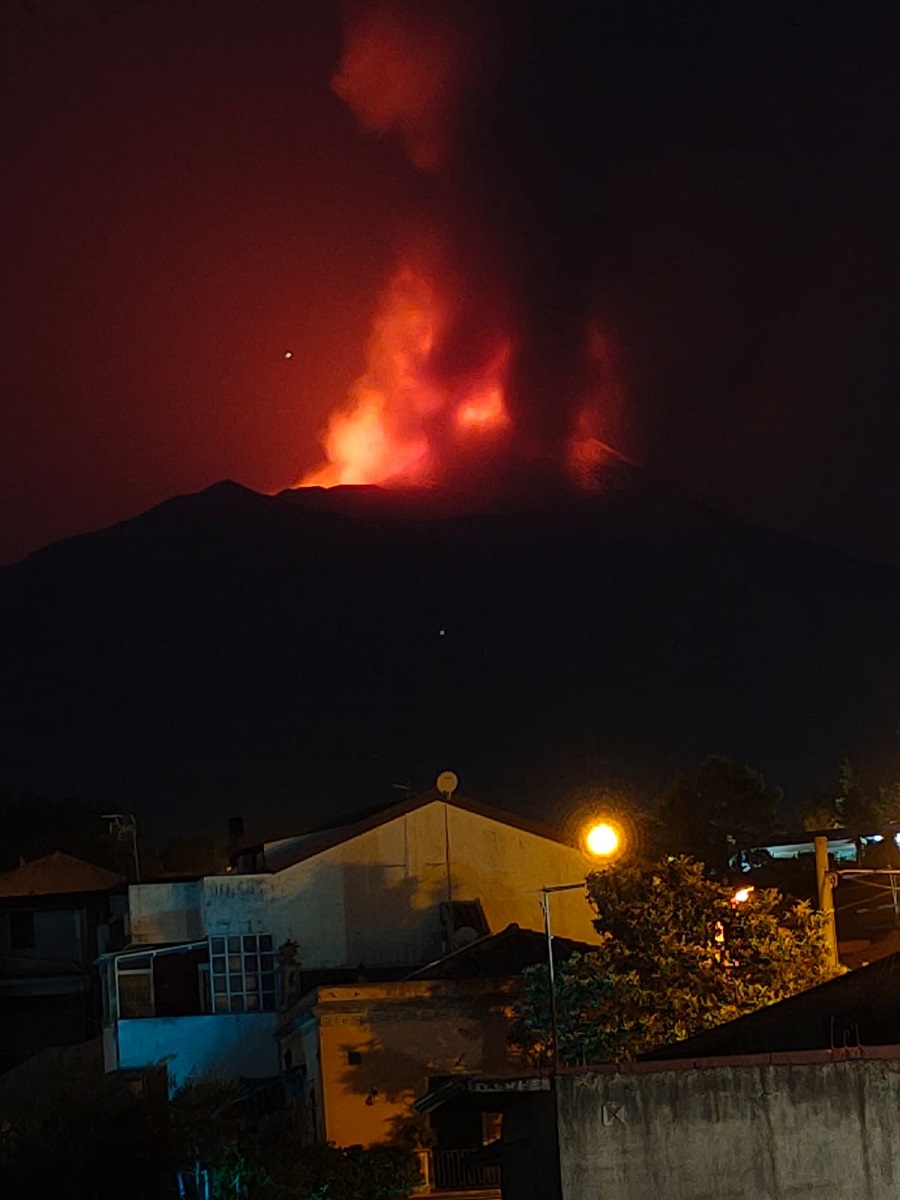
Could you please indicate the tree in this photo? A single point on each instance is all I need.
(701, 815)
(678, 956)
(855, 805)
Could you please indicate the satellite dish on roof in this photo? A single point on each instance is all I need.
(463, 937)
(447, 783)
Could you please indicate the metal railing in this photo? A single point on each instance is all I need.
(453, 1171)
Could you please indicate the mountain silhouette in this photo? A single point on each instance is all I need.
(293, 657)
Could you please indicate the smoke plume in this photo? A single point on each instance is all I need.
(487, 348)
(646, 222)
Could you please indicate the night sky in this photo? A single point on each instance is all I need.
(187, 199)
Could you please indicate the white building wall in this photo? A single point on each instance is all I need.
(233, 904)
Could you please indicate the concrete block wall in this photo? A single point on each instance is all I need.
(762, 1131)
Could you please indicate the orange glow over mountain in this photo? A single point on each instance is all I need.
(402, 419)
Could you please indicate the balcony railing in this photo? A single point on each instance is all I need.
(454, 1171)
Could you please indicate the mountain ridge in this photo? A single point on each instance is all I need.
(298, 654)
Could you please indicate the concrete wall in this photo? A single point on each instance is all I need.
(752, 1132)
(165, 912)
(375, 899)
(229, 1044)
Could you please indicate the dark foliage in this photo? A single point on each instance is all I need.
(97, 1139)
(679, 956)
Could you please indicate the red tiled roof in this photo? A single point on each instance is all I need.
(56, 874)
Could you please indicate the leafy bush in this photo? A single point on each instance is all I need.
(678, 956)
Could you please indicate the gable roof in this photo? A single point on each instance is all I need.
(286, 852)
(56, 874)
(499, 955)
(861, 1008)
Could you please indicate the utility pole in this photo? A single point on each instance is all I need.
(825, 890)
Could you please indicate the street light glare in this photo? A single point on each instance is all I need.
(602, 840)
(742, 895)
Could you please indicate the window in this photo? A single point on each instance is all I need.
(242, 969)
(135, 980)
(21, 930)
(491, 1127)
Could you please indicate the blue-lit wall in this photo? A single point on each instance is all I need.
(231, 1044)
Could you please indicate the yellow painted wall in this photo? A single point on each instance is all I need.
(375, 899)
(404, 1034)
(506, 867)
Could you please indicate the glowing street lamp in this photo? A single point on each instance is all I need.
(742, 895)
(601, 840)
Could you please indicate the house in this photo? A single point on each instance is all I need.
(359, 1054)
(57, 913)
(366, 1050)
(211, 961)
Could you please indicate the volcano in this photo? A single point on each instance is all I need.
(293, 657)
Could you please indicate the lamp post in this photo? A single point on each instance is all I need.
(601, 840)
(551, 970)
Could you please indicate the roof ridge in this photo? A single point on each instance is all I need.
(57, 873)
(317, 841)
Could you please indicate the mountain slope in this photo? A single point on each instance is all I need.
(292, 656)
